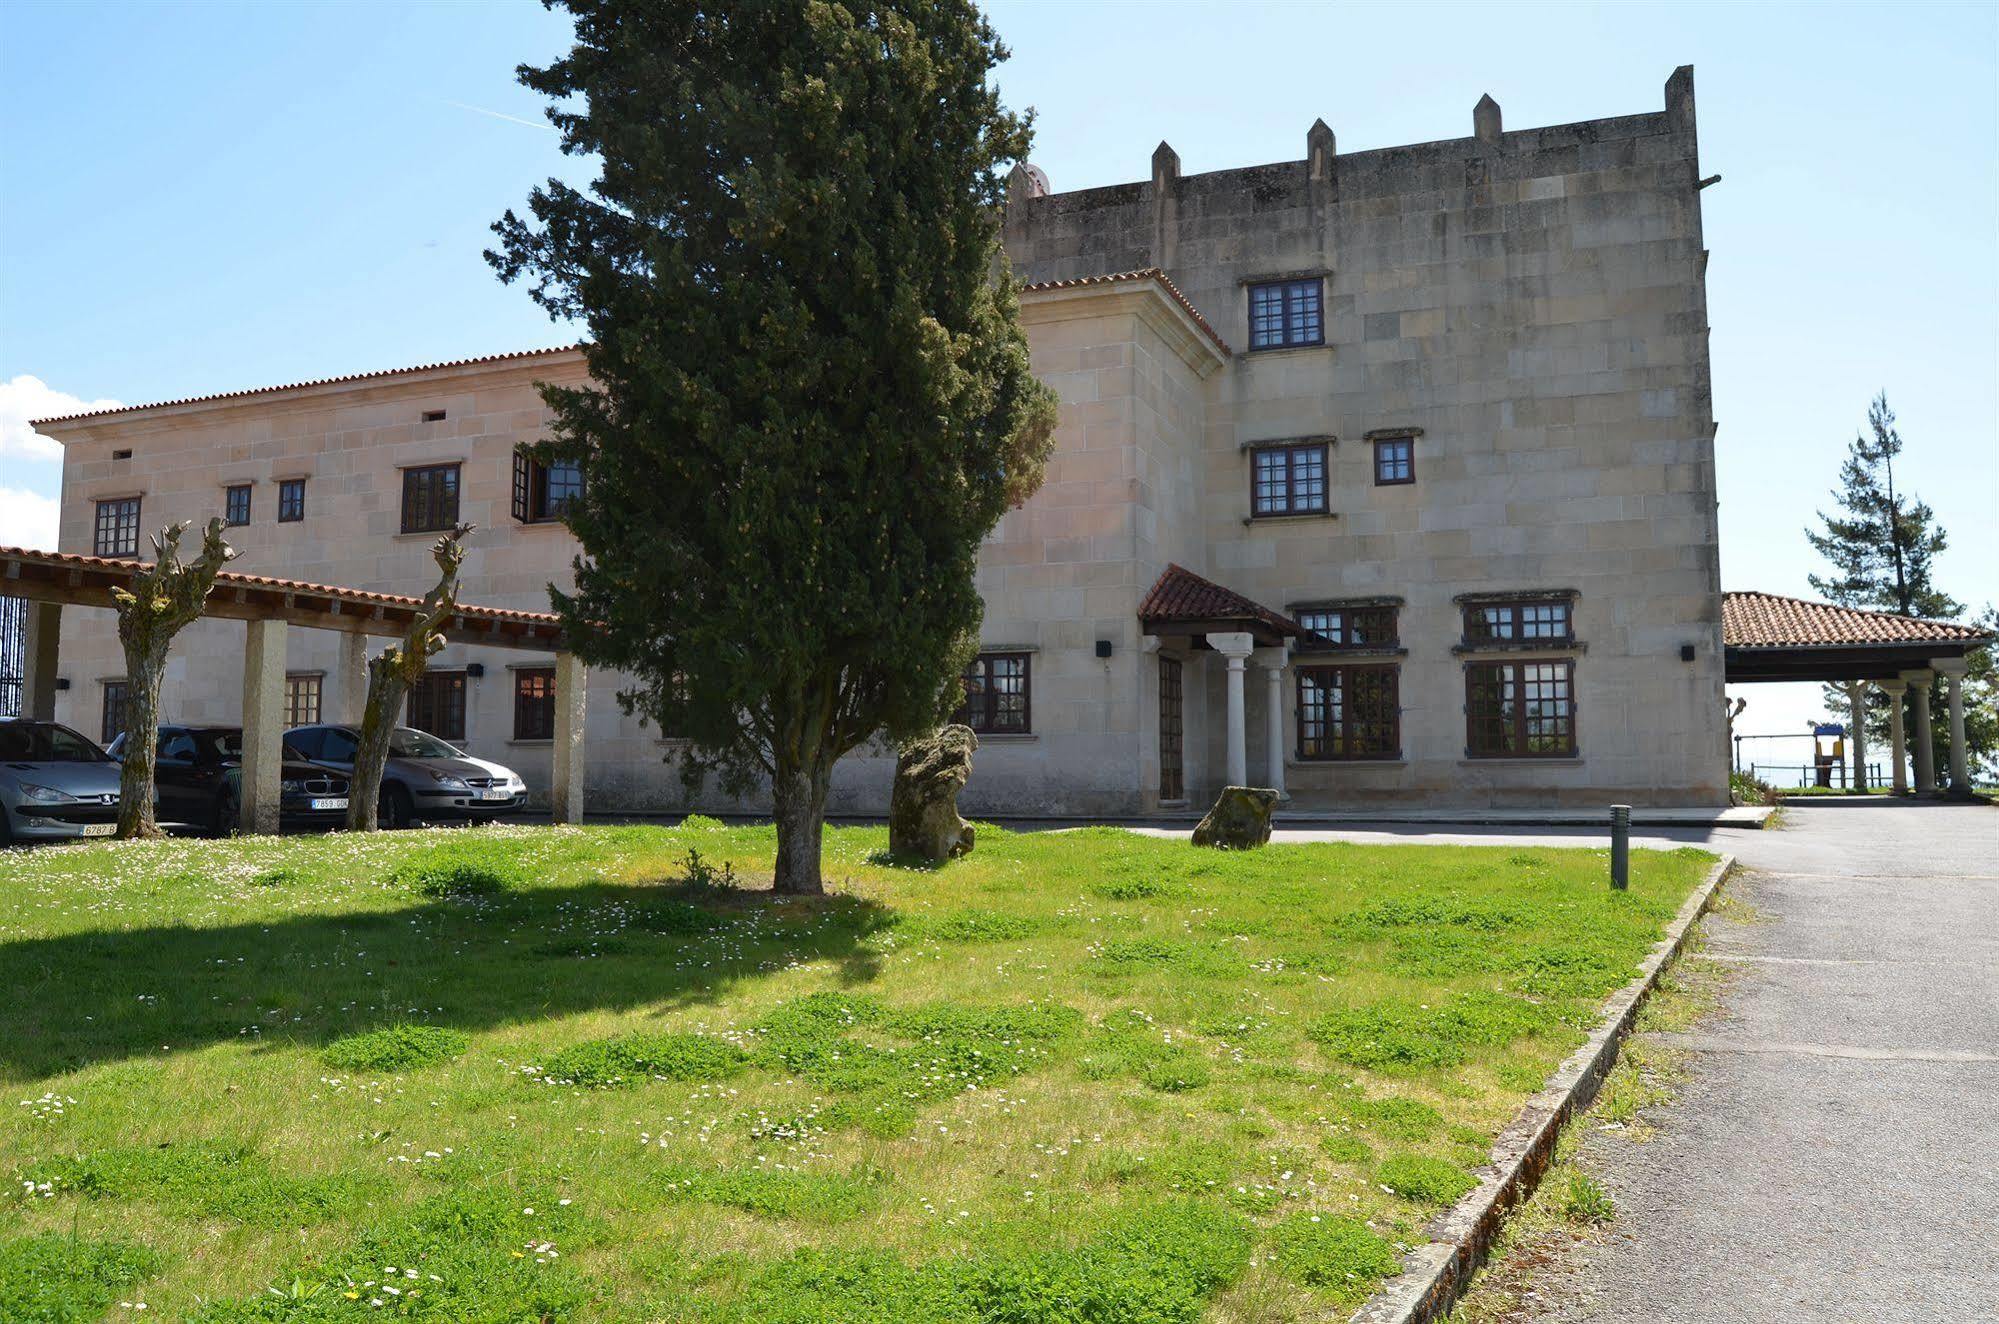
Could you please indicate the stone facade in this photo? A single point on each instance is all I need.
(1529, 307)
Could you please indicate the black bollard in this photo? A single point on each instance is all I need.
(1620, 847)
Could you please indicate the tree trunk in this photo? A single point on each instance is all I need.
(386, 690)
(145, 665)
(799, 796)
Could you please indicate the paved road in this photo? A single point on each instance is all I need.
(1835, 1154)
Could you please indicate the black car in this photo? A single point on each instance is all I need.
(424, 778)
(199, 773)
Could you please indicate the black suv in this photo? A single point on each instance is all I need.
(199, 774)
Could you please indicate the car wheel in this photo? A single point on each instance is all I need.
(228, 812)
(6, 829)
(394, 810)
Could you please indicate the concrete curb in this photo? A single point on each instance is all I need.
(1436, 1274)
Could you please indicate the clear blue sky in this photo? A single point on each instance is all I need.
(201, 197)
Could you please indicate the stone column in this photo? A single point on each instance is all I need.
(40, 654)
(1896, 690)
(1236, 647)
(263, 724)
(1856, 698)
(1273, 669)
(1926, 755)
(349, 690)
(1952, 670)
(572, 685)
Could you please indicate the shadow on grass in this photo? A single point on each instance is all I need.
(72, 1001)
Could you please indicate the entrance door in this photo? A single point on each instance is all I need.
(1172, 781)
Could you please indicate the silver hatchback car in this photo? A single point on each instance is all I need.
(54, 784)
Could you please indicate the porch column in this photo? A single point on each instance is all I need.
(1896, 690)
(1952, 670)
(40, 653)
(1856, 698)
(1236, 646)
(350, 681)
(1274, 661)
(572, 683)
(263, 724)
(1926, 757)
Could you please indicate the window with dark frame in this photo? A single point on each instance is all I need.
(430, 499)
(1349, 713)
(1520, 709)
(236, 504)
(1548, 621)
(1394, 461)
(1288, 480)
(117, 527)
(116, 694)
(302, 694)
(1370, 626)
(534, 703)
(996, 695)
(543, 491)
(291, 501)
(1284, 314)
(437, 705)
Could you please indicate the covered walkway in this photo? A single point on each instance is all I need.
(1769, 638)
(50, 581)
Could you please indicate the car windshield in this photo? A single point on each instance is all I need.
(45, 742)
(406, 742)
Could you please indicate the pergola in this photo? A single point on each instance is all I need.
(1772, 638)
(50, 581)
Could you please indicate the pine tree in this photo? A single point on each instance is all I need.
(810, 398)
(1883, 549)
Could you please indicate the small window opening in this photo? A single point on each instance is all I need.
(433, 415)
(124, 454)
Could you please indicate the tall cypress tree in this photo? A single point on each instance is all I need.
(810, 395)
(1883, 546)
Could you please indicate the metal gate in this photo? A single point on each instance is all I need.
(13, 654)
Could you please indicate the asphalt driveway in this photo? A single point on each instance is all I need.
(1835, 1154)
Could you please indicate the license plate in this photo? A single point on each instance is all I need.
(338, 802)
(99, 829)
(496, 795)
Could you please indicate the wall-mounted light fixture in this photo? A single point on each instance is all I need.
(1686, 652)
(475, 669)
(1103, 648)
(62, 682)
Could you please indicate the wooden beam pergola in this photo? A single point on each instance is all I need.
(87, 581)
(268, 607)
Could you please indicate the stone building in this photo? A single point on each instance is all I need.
(1385, 477)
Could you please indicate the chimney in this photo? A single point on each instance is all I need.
(1485, 119)
(1319, 152)
(1165, 205)
(1680, 100)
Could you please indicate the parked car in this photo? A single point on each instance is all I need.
(199, 776)
(54, 784)
(424, 779)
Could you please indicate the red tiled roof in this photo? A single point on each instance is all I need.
(229, 579)
(1766, 620)
(318, 381)
(1181, 596)
(1144, 273)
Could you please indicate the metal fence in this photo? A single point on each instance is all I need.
(1797, 776)
(13, 653)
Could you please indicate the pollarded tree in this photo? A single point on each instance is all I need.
(162, 599)
(390, 675)
(811, 395)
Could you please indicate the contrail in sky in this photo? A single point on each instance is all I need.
(511, 119)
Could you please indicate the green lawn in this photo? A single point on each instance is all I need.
(532, 1074)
